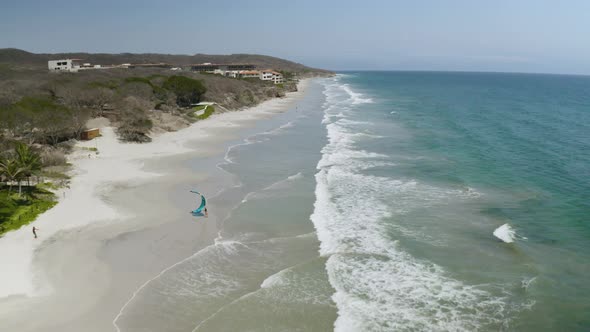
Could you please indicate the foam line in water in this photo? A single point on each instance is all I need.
(222, 308)
(138, 290)
(274, 186)
(526, 283)
(355, 97)
(256, 138)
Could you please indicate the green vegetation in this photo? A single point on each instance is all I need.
(59, 110)
(28, 161)
(42, 120)
(187, 90)
(135, 126)
(20, 165)
(209, 109)
(112, 85)
(136, 79)
(19, 210)
(38, 107)
(154, 76)
(160, 94)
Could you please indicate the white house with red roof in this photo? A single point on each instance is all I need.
(271, 75)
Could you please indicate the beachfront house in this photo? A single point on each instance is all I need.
(71, 65)
(271, 75)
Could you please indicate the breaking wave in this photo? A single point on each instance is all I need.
(380, 287)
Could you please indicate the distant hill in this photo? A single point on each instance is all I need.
(20, 58)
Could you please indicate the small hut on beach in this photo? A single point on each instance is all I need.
(89, 134)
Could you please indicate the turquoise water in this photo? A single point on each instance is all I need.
(423, 167)
(371, 206)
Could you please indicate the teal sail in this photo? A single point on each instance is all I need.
(203, 203)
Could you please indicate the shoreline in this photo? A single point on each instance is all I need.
(87, 226)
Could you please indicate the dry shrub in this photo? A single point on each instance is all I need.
(53, 157)
(67, 146)
(132, 102)
(135, 126)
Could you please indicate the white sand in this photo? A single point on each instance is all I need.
(93, 178)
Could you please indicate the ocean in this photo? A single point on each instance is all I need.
(371, 205)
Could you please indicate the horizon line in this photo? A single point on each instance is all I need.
(458, 71)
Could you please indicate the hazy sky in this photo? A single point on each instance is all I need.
(498, 35)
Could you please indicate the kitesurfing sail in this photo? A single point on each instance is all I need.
(198, 211)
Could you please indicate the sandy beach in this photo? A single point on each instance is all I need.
(122, 222)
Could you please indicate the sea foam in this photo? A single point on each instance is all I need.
(379, 287)
(505, 233)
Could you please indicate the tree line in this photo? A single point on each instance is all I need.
(59, 110)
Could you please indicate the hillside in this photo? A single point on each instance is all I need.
(47, 111)
(42, 107)
(20, 58)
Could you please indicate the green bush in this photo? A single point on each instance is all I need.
(160, 93)
(135, 79)
(154, 76)
(41, 119)
(187, 90)
(209, 109)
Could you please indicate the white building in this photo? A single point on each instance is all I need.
(271, 75)
(71, 65)
(278, 78)
(63, 65)
(249, 74)
(231, 73)
(266, 75)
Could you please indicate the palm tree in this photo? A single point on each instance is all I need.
(11, 169)
(28, 160)
(3, 176)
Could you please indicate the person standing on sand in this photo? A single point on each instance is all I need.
(35, 229)
(206, 213)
